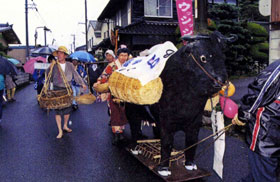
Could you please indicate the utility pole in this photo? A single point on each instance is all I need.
(86, 25)
(26, 30)
(74, 41)
(36, 36)
(201, 19)
(53, 41)
(45, 33)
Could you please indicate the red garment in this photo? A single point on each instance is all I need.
(118, 116)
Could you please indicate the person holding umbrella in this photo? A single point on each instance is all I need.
(58, 84)
(2, 86)
(10, 87)
(75, 86)
(5, 68)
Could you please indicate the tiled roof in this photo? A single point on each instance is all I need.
(111, 8)
(93, 23)
(150, 28)
(8, 33)
(96, 25)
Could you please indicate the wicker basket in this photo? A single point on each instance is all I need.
(85, 99)
(55, 99)
(131, 90)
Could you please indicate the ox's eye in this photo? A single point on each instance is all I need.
(203, 59)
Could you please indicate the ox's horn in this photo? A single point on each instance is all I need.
(232, 38)
(194, 37)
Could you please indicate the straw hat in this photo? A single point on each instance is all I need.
(61, 49)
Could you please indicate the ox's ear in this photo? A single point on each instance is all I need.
(223, 40)
(217, 37)
(186, 50)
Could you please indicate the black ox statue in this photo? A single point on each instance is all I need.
(191, 76)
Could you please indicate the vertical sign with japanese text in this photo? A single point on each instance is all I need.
(185, 16)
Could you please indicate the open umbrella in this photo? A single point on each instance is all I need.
(43, 51)
(29, 65)
(6, 67)
(14, 61)
(83, 56)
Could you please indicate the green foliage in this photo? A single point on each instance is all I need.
(220, 12)
(249, 11)
(3, 49)
(251, 46)
(224, 27)
(260, 51)
(178, 35)
(211, 25)
(257, 30)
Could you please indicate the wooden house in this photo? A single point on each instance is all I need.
(139, 24)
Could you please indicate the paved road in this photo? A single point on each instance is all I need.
(29, 150)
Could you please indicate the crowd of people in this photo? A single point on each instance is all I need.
(87, 76)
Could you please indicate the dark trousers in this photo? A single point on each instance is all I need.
(263, 169)
(1, 101)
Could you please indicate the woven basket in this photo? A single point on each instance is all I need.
(55, 99)
(85, 99)
(131, 90)
(102, 88)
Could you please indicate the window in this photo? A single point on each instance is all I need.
(158, 8)
(124, 16)
(129, 12)
(119, 18)
(97, 34)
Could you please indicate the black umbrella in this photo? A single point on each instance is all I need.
(43, 51)
(7, 68)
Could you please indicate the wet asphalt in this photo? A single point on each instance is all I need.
(29, 150)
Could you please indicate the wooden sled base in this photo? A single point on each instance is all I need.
(150, 157)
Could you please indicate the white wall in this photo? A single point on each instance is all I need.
(274, 46)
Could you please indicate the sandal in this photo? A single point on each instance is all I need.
(68, 130)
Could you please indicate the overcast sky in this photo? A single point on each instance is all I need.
(63, 17)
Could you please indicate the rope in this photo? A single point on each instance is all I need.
(204, 139)
(67, 86)
(207, 147)
(48, 79)
(88, 79)
(209, 75)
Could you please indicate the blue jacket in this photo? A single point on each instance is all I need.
(82, 72)
(2, 82)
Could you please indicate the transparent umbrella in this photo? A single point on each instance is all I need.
(43, 51)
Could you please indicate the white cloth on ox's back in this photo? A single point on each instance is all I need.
(148, 68)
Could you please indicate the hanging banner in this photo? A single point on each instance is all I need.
(185, 16)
